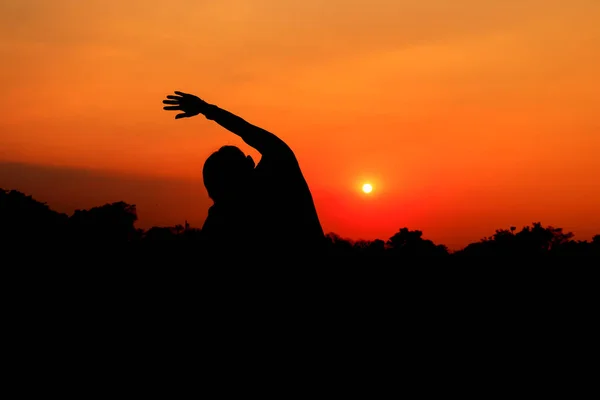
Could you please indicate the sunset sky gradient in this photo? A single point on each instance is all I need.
(465, 115)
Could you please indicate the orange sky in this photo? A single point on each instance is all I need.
(465, 115)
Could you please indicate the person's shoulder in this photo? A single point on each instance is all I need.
(278, 162)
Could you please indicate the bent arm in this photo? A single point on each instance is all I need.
(263, 141)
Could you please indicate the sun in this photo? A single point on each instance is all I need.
(367, 188)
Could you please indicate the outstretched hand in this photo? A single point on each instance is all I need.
(188, 103)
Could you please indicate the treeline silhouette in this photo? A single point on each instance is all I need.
(25, 221)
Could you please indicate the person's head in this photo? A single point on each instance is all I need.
(227, 173)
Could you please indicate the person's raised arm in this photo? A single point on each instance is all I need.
(263, 141)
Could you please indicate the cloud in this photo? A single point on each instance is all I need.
(159, 201)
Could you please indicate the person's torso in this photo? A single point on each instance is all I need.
(285, 208)
(276, 216)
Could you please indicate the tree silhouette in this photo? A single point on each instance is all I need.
(110, 223)
(26, 222)
(530, 241)
(411, 243)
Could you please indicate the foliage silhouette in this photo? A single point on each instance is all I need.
(25, 221)
(110, 223)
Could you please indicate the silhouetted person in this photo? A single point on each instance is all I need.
(267, 208)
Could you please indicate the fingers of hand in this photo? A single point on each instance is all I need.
(175, 103)
(175, 100)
